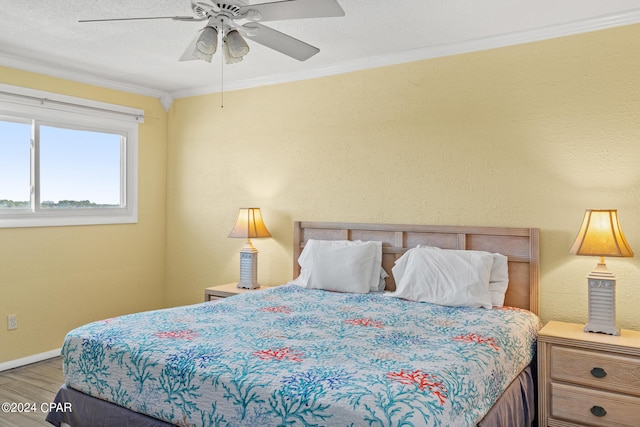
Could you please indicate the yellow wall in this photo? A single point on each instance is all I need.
(58, 278)
(530, 135)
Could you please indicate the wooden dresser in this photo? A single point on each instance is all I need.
(587, 379)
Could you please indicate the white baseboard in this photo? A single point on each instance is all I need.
(29, 359)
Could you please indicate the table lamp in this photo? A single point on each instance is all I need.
(249, 225)
(600, 235)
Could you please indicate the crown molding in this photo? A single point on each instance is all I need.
(67, 74)
(166, 98)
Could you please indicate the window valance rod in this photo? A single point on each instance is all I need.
(43, 101)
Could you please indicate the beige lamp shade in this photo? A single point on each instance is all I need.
(249, 224)
(600, 235)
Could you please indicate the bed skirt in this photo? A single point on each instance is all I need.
(518, 404)
(515, 408)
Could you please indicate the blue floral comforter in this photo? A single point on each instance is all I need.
(289, 356)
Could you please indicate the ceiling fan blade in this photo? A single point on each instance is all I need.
(279, 41)
(176, 18)
(187, 55)
(295, 9)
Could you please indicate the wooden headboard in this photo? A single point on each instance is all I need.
(521, 245)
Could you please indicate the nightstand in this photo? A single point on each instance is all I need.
(224, 291)
(587, 379)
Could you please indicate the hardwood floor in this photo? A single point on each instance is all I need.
(35, 384)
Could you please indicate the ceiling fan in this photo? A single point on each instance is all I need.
(234, 19)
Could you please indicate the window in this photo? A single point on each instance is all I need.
(66, 161)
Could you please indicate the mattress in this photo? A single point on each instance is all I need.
(292, 356)
(516, 407)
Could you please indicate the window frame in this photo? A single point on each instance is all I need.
(50, 109)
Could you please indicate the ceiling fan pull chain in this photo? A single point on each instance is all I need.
(221, 83)
(223, 34)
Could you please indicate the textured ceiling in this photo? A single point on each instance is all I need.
(142, 56)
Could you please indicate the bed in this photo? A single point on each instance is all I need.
(292, 355)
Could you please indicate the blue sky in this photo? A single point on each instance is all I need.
(75, 165)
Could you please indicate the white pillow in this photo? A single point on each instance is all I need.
(341, 266)
(451, 278)
(379, 287)
(381, 284)
(498, 279)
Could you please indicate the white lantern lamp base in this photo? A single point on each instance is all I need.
(602, 301)
(248, 267)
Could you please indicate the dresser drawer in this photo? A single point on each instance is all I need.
(601, 370)
(593, 407)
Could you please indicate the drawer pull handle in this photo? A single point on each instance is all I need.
(598, 372)
(598, 411)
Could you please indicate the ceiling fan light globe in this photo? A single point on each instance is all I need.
(207, 42)
(227, 57)
(203, 56)
(235, 44)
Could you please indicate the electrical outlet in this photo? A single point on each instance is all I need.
(12, 322)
